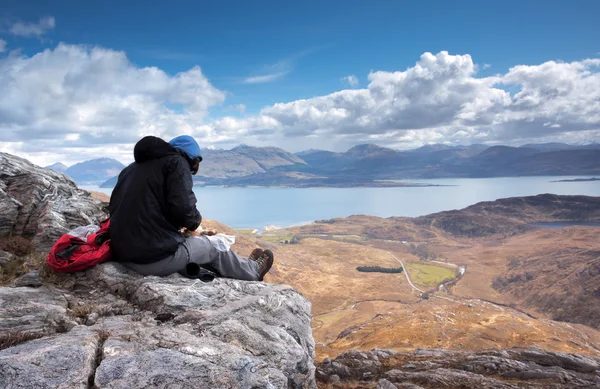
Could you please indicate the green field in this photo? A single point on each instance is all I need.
(348, 238)
(275, 238)
(429, 275)
(248, 231)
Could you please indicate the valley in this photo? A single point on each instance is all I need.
(518, 285)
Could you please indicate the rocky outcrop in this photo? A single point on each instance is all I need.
(430, 368)
(112, 328)
(514, 215)
(41, 204)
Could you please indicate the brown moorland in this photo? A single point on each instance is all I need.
(518, 278)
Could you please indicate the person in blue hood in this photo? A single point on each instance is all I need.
(154, 218)
(190, 147)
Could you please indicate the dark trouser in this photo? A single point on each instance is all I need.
(199, 251)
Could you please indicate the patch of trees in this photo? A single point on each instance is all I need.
(326, 221)
(423, 252)
(379, 269)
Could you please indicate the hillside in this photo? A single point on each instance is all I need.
(94, 171)
(513, 215)
(559, 275)
(517, 278)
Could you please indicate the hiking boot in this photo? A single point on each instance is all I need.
(265, 261)
(255, 254)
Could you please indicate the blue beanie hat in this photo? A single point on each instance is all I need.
(188, 145)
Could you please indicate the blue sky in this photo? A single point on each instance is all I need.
(267, 52)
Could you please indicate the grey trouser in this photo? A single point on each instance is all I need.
(197, 250)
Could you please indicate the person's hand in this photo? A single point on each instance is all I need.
(209, 232)
(186, 232)
(195, 233)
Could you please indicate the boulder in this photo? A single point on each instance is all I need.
(41, 204)
(432, 368)
(179, 333)
(38, 310)
(62, 361)
(5, 257)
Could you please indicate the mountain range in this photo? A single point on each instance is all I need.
(367, 165)
(94, 171)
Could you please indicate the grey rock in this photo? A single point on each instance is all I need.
(31, 279)
(5, 256)
(40, 203)
(92, 318)
(228, 333)
(334, 378)
(385, 384)
(575, 362)
(62, 361)
(40, 310)
(495, 369)
(421, 365)
(406, 385)
(447, 378)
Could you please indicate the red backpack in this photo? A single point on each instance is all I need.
(72, 254)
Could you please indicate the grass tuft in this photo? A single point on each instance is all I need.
(13, 338)
(16, 245)
(83, 311)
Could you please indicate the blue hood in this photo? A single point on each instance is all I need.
(188, 145)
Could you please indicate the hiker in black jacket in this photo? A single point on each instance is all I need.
(153, 202)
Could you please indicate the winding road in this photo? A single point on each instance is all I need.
(405, 273)
(410, 282)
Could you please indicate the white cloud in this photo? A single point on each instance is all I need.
(442, 99)
(99, 94)
(486, 66)
(80, 101)
(351, 80)
(279, 69)
(38, 29)
(265, 78)
(241, 108)
(2, 45)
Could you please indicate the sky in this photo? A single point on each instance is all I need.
(85, 79)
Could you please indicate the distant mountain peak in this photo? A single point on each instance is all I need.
(241, 147)
(368, 149)
(309, 151)
(95, 170)
(58, 167)
(366, 146)
(433, 147)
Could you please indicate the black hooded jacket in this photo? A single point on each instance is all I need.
(152, 200)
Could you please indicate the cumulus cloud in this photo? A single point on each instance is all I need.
(72, 98)
(442, 99)
(38, 29)
(100, 96)
(2, 45)
(241, 108)
(351, 80)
